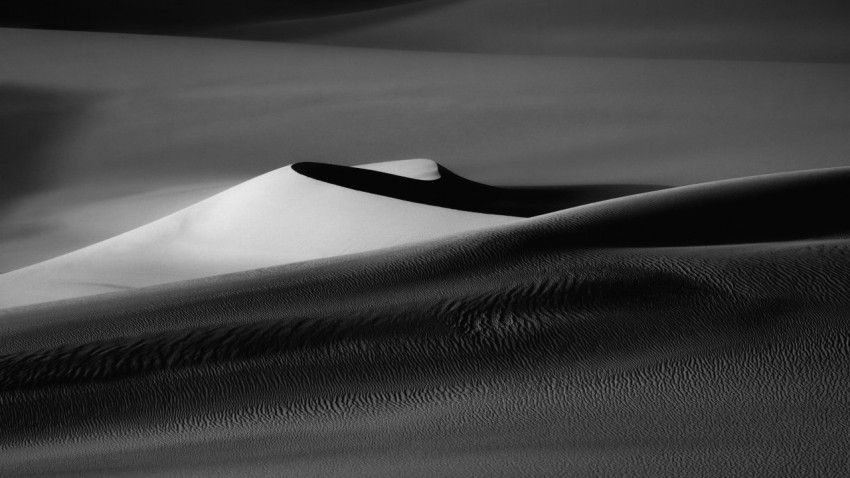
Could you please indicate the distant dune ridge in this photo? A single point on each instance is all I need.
(780, 30)
(783, 30)
(168, 17)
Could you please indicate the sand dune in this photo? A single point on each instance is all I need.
(632, 260)
(277, 218)
(302, 212)
(163, 17)
(782, 30)
(525, 348)
(150, 112)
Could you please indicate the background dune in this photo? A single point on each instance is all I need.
(171, 114)
(157, 16)
(784, 30)
(278, 218)
(779, 30)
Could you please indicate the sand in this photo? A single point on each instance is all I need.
(153, 112)
(521, 349)
(631, 257)
(278, 218)
(786, 30)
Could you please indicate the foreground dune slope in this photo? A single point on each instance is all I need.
(278, 218)
(603, 339)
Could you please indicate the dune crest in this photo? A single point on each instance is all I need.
(422, 169)
(278, 218)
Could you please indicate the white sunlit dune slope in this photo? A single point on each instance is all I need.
(278, 218)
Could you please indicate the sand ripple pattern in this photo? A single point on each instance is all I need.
(691, 331)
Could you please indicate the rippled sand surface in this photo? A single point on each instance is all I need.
(608, 338)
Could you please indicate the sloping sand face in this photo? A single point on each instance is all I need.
(602, 339)
(278, 218)
(109, 116)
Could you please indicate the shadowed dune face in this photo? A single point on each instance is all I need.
(33, 120)
(785, 30)
(168, 17)
(174, 113)
(398, 319)
(454, 192)
(773, 208)
(35, 123)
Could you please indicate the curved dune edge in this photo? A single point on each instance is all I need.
(445, 189)
(420, 169)
(741, 213)
(303, 212)
(278, 218)
(510, 349)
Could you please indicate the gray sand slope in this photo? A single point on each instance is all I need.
(779, 30)
(278, 218)
(697, 331)
(184, 118)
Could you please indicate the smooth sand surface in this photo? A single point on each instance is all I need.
(781, 30)
(278, 218)
(110, 116)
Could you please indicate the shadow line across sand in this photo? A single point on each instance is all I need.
(455, 192)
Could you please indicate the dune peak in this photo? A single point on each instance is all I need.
(277, 218)
(421, 169)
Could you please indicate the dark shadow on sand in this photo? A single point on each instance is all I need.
(772, 208)
(455, 192)
(283, 29)
(32, 121)
(168, 17)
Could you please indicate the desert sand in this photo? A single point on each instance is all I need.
(125, 129)
(602, 339)
(278, 218)
(628, 255)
